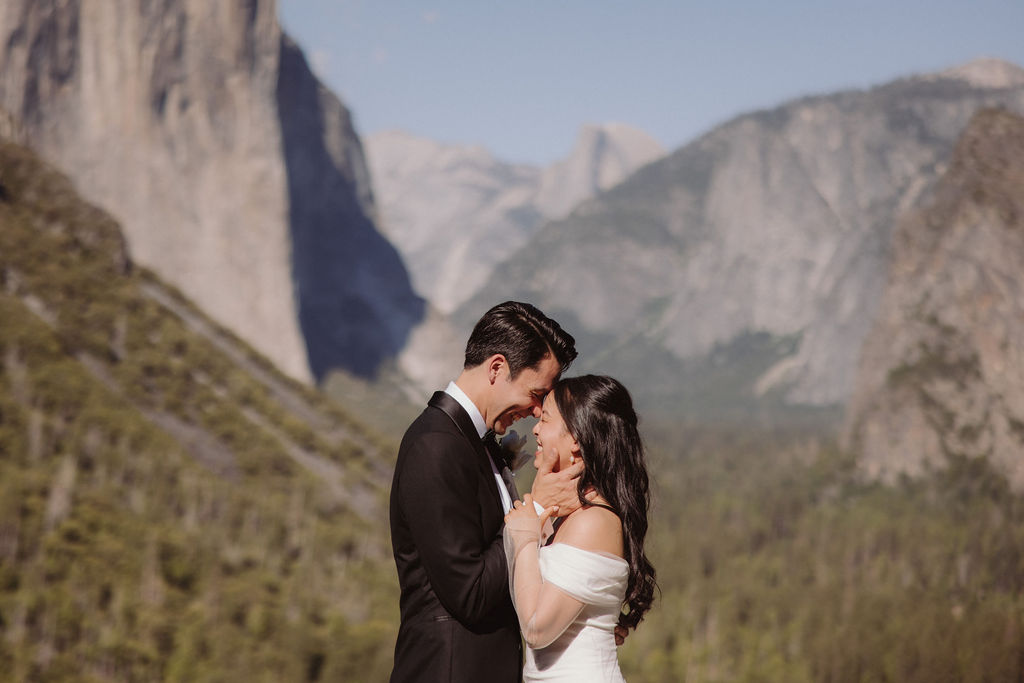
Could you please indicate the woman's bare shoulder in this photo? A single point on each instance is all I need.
(592, 528)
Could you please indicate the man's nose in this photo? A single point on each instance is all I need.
(536, 410)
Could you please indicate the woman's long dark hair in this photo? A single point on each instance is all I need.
(598, 412)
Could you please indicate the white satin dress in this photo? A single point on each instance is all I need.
(586, 650)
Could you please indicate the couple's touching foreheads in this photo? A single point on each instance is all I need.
(481, 570)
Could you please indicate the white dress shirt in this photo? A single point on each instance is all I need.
(477, 417)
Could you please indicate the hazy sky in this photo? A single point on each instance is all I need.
(520, 77)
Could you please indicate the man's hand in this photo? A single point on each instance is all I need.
(620, 634)
(557, 488)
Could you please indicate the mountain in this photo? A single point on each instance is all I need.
(747, 266)
(454, 210)
(236, 175)
(603, 156)
(941, 374)
(172, 507)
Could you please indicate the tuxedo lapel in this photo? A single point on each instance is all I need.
(450, 407)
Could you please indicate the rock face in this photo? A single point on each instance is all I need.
(355, 298)
(11, 129)
(602, 157)
(236, 175)
(454, 211)
(769, 235)
(942, 371)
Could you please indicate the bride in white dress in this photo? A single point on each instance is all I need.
(570, 592)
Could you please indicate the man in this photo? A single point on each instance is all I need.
(448, 503)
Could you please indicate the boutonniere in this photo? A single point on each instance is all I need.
(513, 450)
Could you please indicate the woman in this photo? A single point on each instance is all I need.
(569, 593)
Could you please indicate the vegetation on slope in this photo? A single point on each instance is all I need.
(777, 562)
(168, 510)
(173, 509)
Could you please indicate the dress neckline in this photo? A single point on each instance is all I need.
(568, 547)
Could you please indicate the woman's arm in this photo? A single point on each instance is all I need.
(544, 610)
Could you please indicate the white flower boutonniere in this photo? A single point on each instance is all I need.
(513, 450)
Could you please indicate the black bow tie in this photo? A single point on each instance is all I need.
(502, 457)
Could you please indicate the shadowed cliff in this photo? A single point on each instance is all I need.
(356, 304)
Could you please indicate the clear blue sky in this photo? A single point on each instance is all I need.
(521, 76)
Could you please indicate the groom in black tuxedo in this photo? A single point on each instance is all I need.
(448, 501)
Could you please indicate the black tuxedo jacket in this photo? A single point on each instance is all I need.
(458, 623)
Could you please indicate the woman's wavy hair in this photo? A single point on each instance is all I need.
(598, 412)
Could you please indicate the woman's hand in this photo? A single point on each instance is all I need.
(523, 517)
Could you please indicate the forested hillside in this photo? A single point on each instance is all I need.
(171, 507)
(779, 563)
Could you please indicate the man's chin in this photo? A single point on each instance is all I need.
(502, 424)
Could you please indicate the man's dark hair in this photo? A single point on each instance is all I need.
(522, 334)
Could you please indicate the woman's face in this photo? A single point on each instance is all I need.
(553, 436)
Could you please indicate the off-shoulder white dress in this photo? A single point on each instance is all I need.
(585, 651)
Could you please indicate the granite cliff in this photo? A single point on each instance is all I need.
(748, 264)
(941, 373)
(236, 175)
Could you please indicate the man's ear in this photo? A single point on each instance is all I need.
(496, 365)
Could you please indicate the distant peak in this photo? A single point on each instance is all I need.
(988, 72)
(622, 132)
